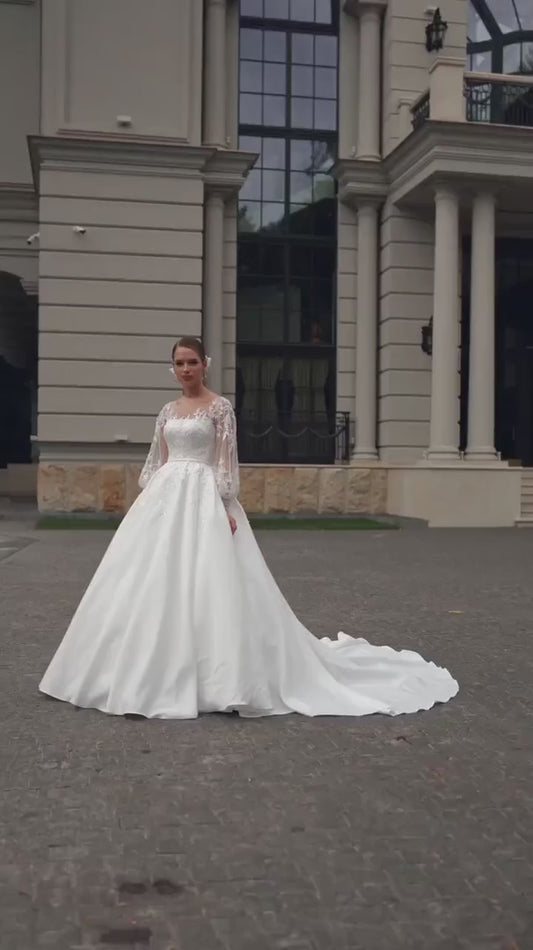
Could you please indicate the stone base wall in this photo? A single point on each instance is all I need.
(265, 489)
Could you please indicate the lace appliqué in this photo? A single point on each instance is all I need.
(158, 453)
(226, 463)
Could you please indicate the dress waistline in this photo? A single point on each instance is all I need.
(177, 461)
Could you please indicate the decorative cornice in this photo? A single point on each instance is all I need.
(226, 170)
(458, 153)
(220, 168)
(361, 182)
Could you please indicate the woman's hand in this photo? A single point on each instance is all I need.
(232, 523)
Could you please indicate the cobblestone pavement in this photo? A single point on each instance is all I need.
(412, 833)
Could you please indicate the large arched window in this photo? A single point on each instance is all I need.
(500, 36)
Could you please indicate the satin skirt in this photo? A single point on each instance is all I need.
(183, 618)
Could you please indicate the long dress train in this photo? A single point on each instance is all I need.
(182, 618)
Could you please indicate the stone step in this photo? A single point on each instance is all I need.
(524, 522)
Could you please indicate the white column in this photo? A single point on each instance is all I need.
(444, 402)
(215, 73)
(482, 330)
(213, 286)
(366, 333)
(369, 98)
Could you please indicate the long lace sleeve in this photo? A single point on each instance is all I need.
(226, 459)
(158, 452)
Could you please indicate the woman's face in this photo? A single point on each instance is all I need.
(188, 367)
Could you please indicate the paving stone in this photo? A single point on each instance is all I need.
(288, 833)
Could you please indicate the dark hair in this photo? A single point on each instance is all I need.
(191, 343)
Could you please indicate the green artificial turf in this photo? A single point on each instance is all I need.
(267, 523)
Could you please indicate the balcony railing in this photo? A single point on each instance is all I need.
(504, 101)
(456, 96)
(420, 111)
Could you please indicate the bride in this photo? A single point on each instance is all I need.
(183, 615)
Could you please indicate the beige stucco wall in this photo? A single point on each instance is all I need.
(129, 58)
(405, 59)
(19, 87)
(406, 292)
(113, 301)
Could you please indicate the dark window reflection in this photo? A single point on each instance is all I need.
(287, 208)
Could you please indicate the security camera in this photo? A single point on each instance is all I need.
(33, 237)
(78, 229)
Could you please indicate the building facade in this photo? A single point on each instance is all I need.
(338, 196)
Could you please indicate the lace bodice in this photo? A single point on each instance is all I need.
(207, 435)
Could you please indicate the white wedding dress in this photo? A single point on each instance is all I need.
(183, 618)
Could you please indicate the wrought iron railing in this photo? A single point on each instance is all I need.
(295, 438)
(502, 100)
(420, 111)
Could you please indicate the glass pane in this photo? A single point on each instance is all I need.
(301, 155)
(250, 143)
(323, 262)
(326, 83)
(273, 153)
(302, 81)
(477, 31)
(251, 7)
(301, 261)
(250, 108)
(302, 113)
(252, 186)
(278, 9)
(325, 114)
(525, 14)
(249, 258)
(251, 76)
(275, 79)
(303, 10)
(301, 188)
(274, 110)
(302, 48)
(299, 222)
(249, 216)
(272, 325)
(272, 215)
(273, 186)
(323, 11)
(251, 44)
(324, 223)
(275, 46)
(511, 58)
(323, 187)
(526, 66)
(323, 156)
(326, 51)
(273, 260)
(248, 323)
